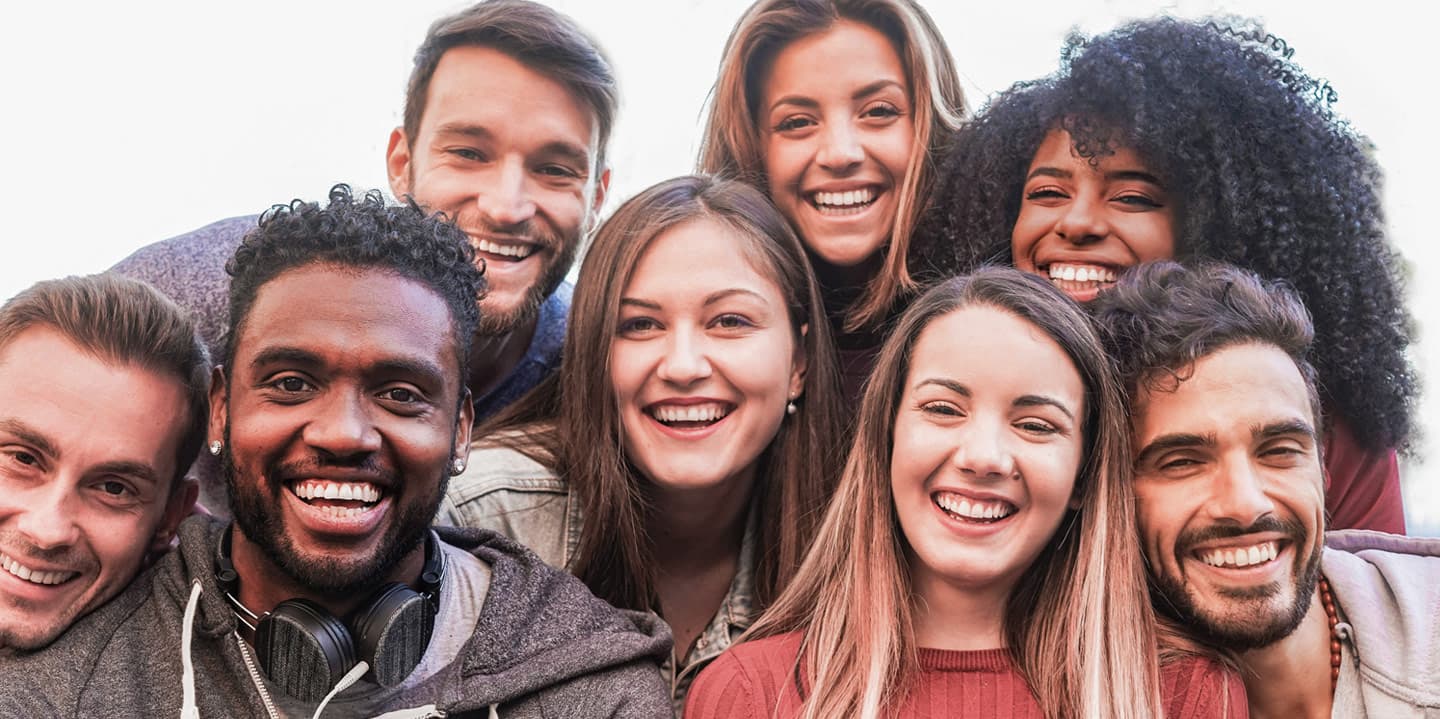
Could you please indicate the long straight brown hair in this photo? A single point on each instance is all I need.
(731, 145)
(796, 473)
(1078, 623)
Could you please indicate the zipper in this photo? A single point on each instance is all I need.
(255, 677)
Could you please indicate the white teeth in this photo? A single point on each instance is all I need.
(973, 510)
(708, 412)
(518, 251)
(34, 576)
(845, 199)
(1081, 273)
(1241, 556)
(321, 489)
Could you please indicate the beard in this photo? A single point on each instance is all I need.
(558, 256)
(255, 502)
(1244, 618)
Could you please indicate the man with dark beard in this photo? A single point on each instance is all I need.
(338, 414)
(507, 114)
(1230, 498)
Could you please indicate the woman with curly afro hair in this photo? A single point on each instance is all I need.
(1169, 138)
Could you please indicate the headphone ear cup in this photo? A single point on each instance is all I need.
(303, 649)
(392, 629)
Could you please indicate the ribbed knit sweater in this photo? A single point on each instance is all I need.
(756, 680)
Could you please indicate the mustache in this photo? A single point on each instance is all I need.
(1226, 530)
(365, 468)
(21, 550)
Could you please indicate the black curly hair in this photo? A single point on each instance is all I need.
(363, 233)
(1267, 178)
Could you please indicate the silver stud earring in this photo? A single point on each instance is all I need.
(215, 447)
(457, 466)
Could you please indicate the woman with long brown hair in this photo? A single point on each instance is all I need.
(835, 108)
(681, 458)
(979, 556)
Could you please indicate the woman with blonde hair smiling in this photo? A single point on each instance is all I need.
(979, 556)
(681, 458)
(835, 108)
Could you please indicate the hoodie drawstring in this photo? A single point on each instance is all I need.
(188, 708)
(350, 677)
(494, 713)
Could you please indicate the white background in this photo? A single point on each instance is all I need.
(125, 123)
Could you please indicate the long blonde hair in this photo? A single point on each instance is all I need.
(1078, 623)
(731, 143)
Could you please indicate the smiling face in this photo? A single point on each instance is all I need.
(1082, 225)
(340, 417)
(87, 464)
(987, 446)
(510, 155)
(837, 127)
(704, 359)
(1230, 495)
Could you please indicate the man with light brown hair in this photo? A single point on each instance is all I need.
(105, 387)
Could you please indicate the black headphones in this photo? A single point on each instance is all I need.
(305, 650)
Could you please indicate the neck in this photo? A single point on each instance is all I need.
(957, 618)
(1291, 678)
(492, 357)
(692, 529)
(263, 584)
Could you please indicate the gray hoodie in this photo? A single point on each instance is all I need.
(543, 647)
(1388, 591)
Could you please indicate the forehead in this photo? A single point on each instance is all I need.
(701, 256)
(1057, 149)
(89, 409)
(1229, 392)
(482, 87)
(990, 349)
(842, 58)
(348, 315)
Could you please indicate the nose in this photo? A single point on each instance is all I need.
(841, 149)
(686, 361)
(981, 450)
(504, 198)
(1238, 493)
(48, 520)
(342, 426)
(1083, 223)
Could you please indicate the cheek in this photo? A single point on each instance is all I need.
(1030, 226)
(1152, 237)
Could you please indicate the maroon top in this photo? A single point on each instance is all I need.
(757, 680)
(1362, 486)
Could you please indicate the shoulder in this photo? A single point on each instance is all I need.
(1201, 687)
(747, 680)
(1388, 588)
(216, 240)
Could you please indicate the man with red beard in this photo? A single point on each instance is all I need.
(1230, 499)
(338, 415)
(507, 114)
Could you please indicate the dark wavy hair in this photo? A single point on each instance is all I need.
(1267, 178)
(362, 233)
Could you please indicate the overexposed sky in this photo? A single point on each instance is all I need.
(125, 123)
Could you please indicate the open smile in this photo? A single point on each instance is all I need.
(844, 203)
(39, 577)
(1080, 280)
(339, 507)
(973, 510)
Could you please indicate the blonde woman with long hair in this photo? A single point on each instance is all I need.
(835, 109)
(979, 557)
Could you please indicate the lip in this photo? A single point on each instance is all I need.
(379, 479)
(970, 529)
(688, 433)
(321, 522)
(19, 588)
(1242, 576)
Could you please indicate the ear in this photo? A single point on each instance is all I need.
(800, 364)
(180, 505)
(219, 409)
(602, 188)
(464, 421)
(397, 163)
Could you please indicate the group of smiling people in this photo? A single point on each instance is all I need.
(894, 411)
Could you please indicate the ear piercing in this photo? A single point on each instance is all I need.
(215, 447)
(457, 466)
(790, 407)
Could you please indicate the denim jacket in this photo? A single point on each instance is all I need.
(506, 491)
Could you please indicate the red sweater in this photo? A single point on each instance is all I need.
(756, 680)
(1362, 486)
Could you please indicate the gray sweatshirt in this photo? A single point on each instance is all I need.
(165, 647)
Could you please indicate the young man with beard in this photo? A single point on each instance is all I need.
(507, 114)
(1230, 499)
(338, 414)
(104, 385)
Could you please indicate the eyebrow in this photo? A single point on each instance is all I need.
(864, 91)
(710, 299)
(1176, 440)
(1114, 176)
(428, 371)
(1026, 400)
(286, 355)
(1283, 427)
(134, 470)
(29, 436)
(576, 154)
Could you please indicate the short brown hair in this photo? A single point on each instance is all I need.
(123, 321)
(535, 35)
